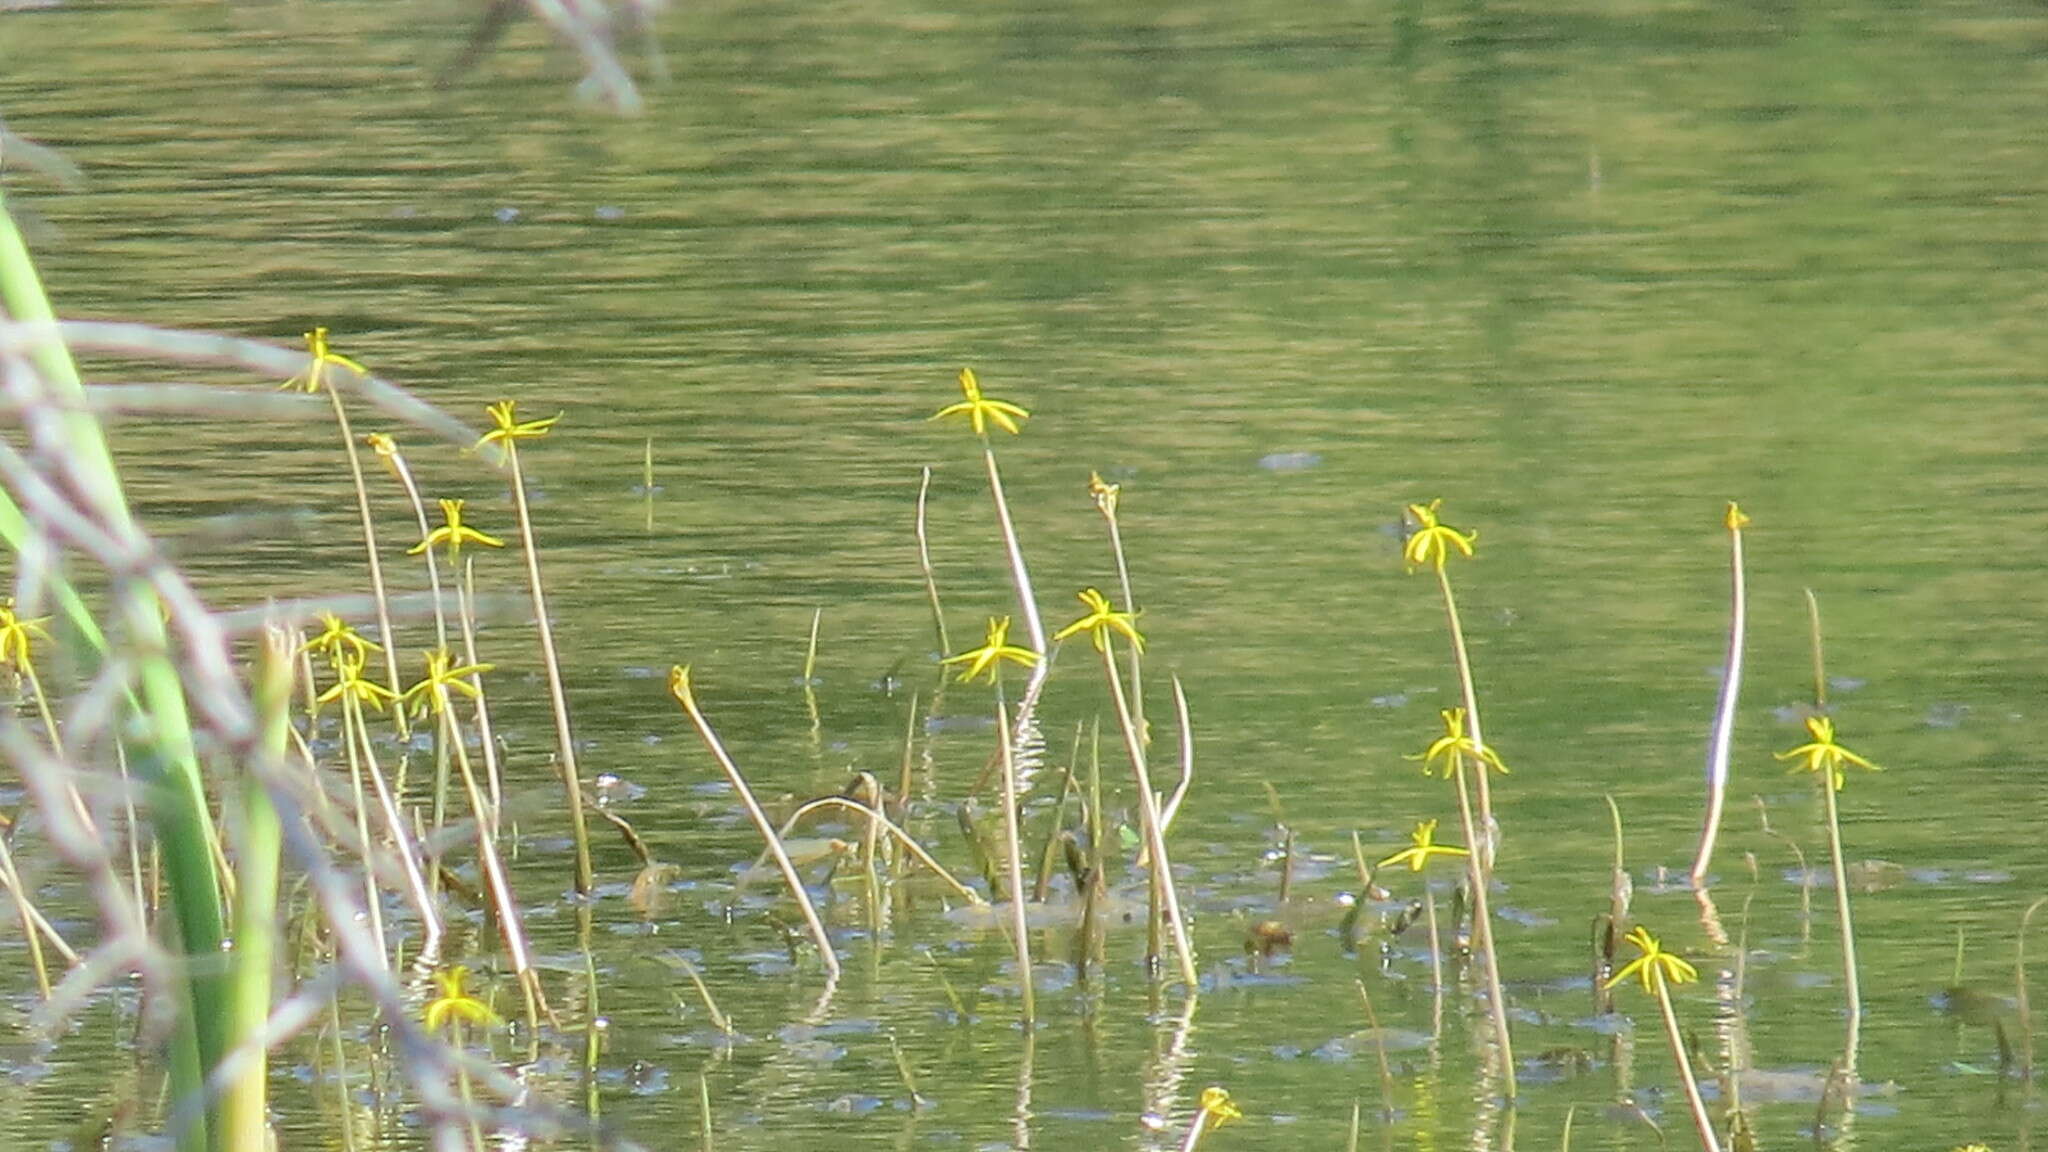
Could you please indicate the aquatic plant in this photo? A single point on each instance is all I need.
(1102, 623)
(680, 688)
(1829, 760)
(1731, 686)
(506, 433)
(314, 379)
(1456, 751)
(981, 411)
(1657, 970)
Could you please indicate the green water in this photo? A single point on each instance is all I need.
(1584, 271)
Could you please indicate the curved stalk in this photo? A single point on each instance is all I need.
(679, 687)
(1724, 710)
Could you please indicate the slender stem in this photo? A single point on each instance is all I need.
(244, 1121)
(1123, 576)
(1027, 601)
(400, 469)
(1850, 989)
(1724, 710)
(1148, 812)
(1042, 886)
(1700, 1122)
(29, 920)
(1436, 943)
(1820, 667)
(510, 924)
(183, 823)
(485, 737)
(924, 561)
(2023, 1008)
(369, 522)
(647, 480)
(572, 780)
(884, 824)
(1483, 848)
(1187, 757)
(679, 687)
(1379, 1047)
(372, 902)
(1482, 934)
(401, 839)
(1019, 929)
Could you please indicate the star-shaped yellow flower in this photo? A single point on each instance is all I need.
(1426, 846)
(990, 656)
(1431, 542)
(980, 410)
(1454, 744)
(1822, 754)
(508, 427)
(457, 1003)
(440, 680)
(323, 358)
(1655, 966)
(453, 533)
(338, 641)
(15, 634)
(1101, 620)
(349, 682)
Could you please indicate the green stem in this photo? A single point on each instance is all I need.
(244, 1119)
(184, 826)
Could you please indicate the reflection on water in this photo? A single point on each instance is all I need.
(1586, 272)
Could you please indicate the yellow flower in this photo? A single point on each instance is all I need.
(979, 409)
(1218, 1107)
(1426, 846)
(990, 656)
(1431, 542)
(1655, 966)
(1101, 620)
(315, 374)
(457, 1003)
(1454, 744)
(509, 428)
(1822, 754)
(15, 634)
(337, 641)
(1104, 494)
(424, 697)
(453, 533)
(349, 682)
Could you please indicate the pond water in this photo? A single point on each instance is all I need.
(1585, 271)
